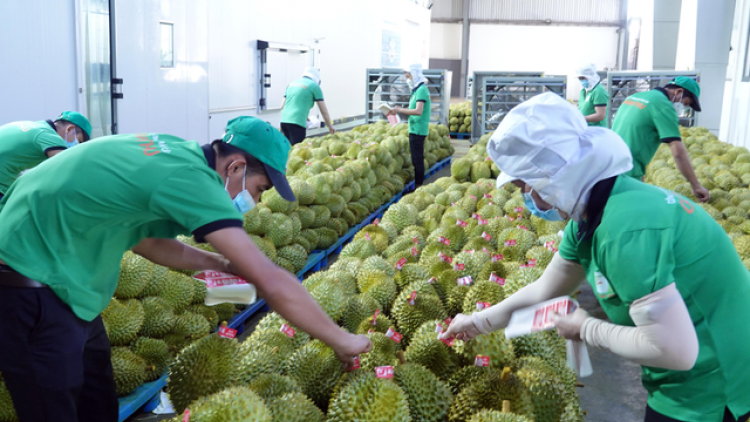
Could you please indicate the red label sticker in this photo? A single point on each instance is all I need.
(375, 316)
(487, 195)
(497, 257)
(340, 168)
(473, 197)
(510, 218)
(522, 228)
(416, 240)
(459, 267)
(367, 236)
(511, 242)
(469, 251)
(543, 315)
(287, 330)
(486, 236)
(438, 328)
(491, 203)
(414, 251)
(393, 335)
(444, 241)
(464, 281)
(413, 297)
(227, 332)
(483, 222)
(448, 341)
(219, 279)
(553, 250)
(448, 320)
(524, 266)
(308, 163)
(549, 245)
(486, 251)
(384, 372)
(481, 360)
(400, 263)
(475, 216)
(375, 223)
(532, 263)
(461, 223)
(357, 363)
(186, 416)
(432, 280)
(488, 159)
(483, 305)
(518, 209)
(495, 279)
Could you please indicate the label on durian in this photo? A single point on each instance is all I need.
(307, 163)
(340, 169)
(438, 328)
(539, 317)
(448, 320)
(525, 266)
(400, 263)
(549, 245)
(448, 341)
(483, 305)
(393, 335)
(532, 263)
(357, 142)
(375, 222)
(414, 251)
(465, 281)
(475, 216)
(482, 221)
(461, 223)
(491, 203)
(384, 372)
(219, 279)
(432, 280)
(486, 236)
(459, 266)
(367, 236)
(445, 258)
(510, 218)
(488, 159)
(487, 195)
(518, 209)
(413, 297)
(227, 332)
(416, 240)
(486, 251)
(481, 360)
(522, 228)
(444, 241)
(375, 317)
(511, 242)
(495, 279)
(287, 330)
(357, 363)
(186, 416)
(473, 197)
(469, 250)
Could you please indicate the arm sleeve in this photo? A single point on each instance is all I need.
(666, 122)
(600, 98)
(569, 243)
(195, 200)
(664, 335)
(317, 93)
(48, 140)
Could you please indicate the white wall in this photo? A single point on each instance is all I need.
(446, 40)
(38, 76)
(352, 32)
(735, 127)
(554, 50)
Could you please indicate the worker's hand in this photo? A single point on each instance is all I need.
(391, 112)
(352, 346)
(569, 326)
(462, 328)
(701, 193)
(331, 130)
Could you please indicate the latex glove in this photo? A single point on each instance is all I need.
(462, 328)
(352, 347)
(701, 193)
(569, 326)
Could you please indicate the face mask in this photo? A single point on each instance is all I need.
(244, 202)
(585, 84)
(549, 215)
(679, 107)
(73, 143)
(410, 82)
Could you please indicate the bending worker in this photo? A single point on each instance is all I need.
(647, 119)
(64, 228)
(24, 145)
(593, 99)
(654, 277)
(299, 98)
(419, 118)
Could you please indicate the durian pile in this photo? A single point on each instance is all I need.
(721, 168)
(406, 274)
(460, 117)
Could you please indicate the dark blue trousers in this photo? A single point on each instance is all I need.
(56, 366)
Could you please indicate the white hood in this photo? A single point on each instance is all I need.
(416, 73)
(589, 72)
(546, 143)
(313, 74)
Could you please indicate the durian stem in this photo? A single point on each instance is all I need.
(506, 374)
(506, 406)
(401, 357)
(224, 324)
(579, 384)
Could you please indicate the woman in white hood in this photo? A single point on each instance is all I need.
(593, 99)
(666, 274)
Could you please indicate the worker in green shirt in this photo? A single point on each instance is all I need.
(299, 98)
(593, 99)
(25, 144)
(419, 118)
(645, 120)
(651, 256)
(65, 225)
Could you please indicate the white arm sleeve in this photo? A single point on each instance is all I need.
(562, 277)
(664, 335)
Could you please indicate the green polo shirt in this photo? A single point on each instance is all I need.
(24, 145)
(598, 97)
(649, 238)
(644, 121)
(66, 223)
(420, 125)
(301, 96)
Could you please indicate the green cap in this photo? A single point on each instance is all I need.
(264, 142)
(79, 120)
(691, 86)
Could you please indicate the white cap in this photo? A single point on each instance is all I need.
(588, 71)
(546, 143)
(313, 74)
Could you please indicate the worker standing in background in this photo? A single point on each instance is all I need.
(647, 119)
(419, 118)
(655, 277)
(299, 98)
(25, 144)
(593, 99)
(65, 226)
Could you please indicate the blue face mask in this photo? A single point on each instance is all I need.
(244, 202)
(549, 215)
(73, 143)
(585, 84)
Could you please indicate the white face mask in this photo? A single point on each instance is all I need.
(74, 142)
(410, 82)
(679, 107)
(244, 202)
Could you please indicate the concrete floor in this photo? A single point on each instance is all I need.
(613, 393)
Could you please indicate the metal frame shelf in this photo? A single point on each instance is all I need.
(475, 92)
(622, 84)
(501, 94)
(389, 86)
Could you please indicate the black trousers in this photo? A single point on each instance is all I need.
(56, 366)
(294, 133)
(653, 416)
(416, 146)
